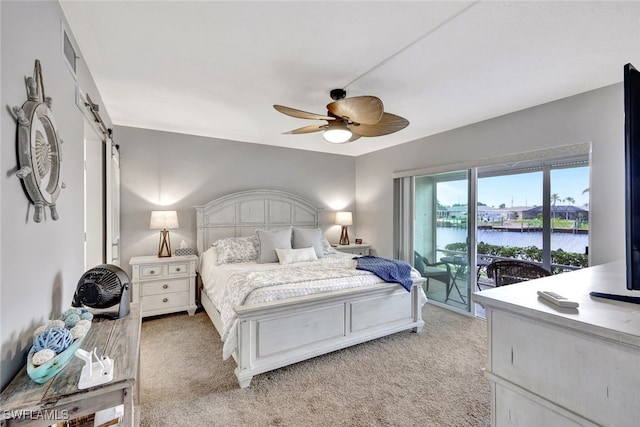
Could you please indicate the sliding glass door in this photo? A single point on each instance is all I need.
(453, 222)
(441, 237)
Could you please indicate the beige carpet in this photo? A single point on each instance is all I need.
(429, 379)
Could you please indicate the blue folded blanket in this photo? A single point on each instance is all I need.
(389, 270)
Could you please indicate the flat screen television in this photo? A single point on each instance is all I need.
(632, 183)
(632, 173)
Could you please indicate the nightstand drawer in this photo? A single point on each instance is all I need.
(151, 271)
(360, 251)
(178, 269)
(163, 301)
(165, 287)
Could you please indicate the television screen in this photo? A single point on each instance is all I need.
(632, 184)
(632, 173)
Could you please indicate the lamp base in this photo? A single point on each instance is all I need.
(164, 248)
(344, 237)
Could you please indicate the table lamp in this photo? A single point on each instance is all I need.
(163, 221)
(344, 219)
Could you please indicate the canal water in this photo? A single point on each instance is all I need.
(568, 242)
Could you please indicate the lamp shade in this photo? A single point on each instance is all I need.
(344, 218)
(337, 132)
(161, 220)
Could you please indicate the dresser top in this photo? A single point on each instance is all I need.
(618, 321)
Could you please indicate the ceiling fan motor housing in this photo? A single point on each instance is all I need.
(337, 94)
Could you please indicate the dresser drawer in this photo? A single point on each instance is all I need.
(164, 301)
(152, 271)
(178, 269)
(513, 409)
(550, 362)
(165, 287)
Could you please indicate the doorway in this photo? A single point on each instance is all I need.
(94, 198)
(441, 237)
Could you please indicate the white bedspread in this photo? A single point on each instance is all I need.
(232, 285)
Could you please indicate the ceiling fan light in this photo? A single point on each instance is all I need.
(337, 133)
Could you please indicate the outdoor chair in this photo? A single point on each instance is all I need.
(507, 272)
(440, 271)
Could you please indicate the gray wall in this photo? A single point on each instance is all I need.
(169, 171)
(595, 117)
(40, 264)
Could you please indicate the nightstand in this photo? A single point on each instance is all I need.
(356, 249)
(164, 285)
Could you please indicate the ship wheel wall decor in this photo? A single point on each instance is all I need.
(38, 146)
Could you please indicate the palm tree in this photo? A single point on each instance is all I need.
(554, 199)
(571, 201)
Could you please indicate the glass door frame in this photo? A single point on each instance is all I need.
(470, 276)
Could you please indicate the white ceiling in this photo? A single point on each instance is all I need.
(215, 68)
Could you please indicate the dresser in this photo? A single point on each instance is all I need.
(564, 367)
(356, 249)
(59, 401)
(164, 285)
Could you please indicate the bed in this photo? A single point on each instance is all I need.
(265, 333)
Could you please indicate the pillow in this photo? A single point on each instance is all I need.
(327, 248)
(290, 256)
(269, 241)
(304, 238)
(210, 255)
(236, 249)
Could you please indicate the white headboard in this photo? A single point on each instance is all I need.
(240, 214)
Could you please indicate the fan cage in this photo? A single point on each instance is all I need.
(101, 287)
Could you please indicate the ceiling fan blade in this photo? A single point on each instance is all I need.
(360, 109)
(307, 129)
(299, 114)
(389, 123)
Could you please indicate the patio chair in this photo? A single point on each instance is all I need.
(440, 271)
(507, 272)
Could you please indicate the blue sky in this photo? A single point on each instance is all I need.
(520, 189)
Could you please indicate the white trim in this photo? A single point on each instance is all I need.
(510, 159)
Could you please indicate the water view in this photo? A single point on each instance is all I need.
(568, 242)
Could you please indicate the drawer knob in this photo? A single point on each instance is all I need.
(165, 300)
(165, 286)
(152, 272)
(178, 269)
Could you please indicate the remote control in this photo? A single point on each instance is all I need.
(557, 299)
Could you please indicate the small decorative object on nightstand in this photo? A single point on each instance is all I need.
(164, 285)
(362, 249)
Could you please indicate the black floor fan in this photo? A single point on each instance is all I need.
(104, 291)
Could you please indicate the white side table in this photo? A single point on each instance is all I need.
(356, 249)
(164, 285)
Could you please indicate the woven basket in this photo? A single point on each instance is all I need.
(46, 371)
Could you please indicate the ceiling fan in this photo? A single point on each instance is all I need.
(348, 118)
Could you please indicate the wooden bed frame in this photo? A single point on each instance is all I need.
(276, 334)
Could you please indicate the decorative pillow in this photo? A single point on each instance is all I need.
(290, 256)
(237, 249)
(327, 248)
(304, 238)
(210, 255)
(269, 241)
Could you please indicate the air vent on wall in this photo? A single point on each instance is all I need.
(68, 51)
